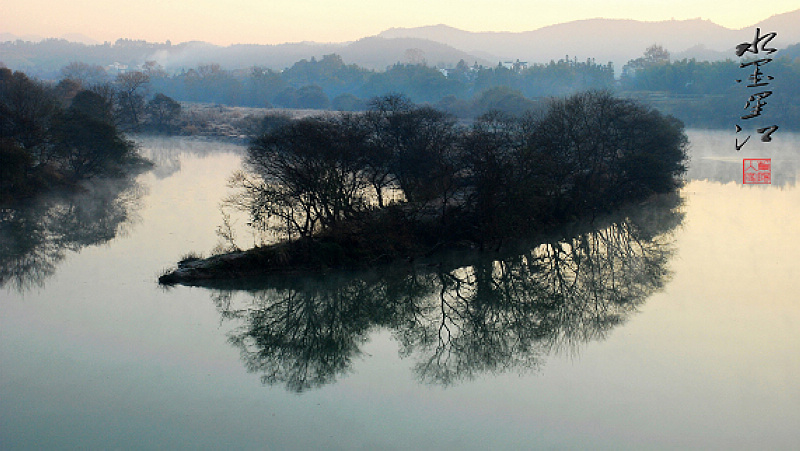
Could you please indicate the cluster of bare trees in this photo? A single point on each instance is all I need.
(127, 93)
(502, 176)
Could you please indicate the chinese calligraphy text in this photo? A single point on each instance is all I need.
(757, 81)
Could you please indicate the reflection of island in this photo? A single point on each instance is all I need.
(463, 316)
(35, 238)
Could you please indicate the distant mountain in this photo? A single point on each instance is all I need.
(5, 37)
(82, 38)
(787, 25)
(702, 53)
(377, 52)
(371, 53)
(72, 37)
(44, 59)
(239, 56)
(792, 52)
(615, 40)
(605, 40)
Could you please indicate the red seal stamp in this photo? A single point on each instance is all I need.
(757, 171)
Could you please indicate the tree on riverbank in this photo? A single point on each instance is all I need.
(306, 174)
(131, 87)
(43, 144)
(164, 114)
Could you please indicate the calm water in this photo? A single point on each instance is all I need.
(671, 325)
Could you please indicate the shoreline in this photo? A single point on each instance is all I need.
(320, 255)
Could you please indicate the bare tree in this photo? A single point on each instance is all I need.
(306, 175)
(131, 88)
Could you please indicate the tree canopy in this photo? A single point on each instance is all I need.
(502, 177)
(42, 143)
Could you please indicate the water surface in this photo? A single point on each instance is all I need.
(672, 324)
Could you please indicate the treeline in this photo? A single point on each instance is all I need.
(403, 179)
(329, 83)
(702, 94)
(707, 94)
(57, 135)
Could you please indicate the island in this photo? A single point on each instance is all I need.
(402, 182)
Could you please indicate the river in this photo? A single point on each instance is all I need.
(672, 324)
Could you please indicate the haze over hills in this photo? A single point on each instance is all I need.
(372, 53)
(45, 58)
(605, 40)
(72, 37)
(616, 40)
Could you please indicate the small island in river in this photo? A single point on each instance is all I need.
(401, 182)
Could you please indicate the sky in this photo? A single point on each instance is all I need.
(280, 21)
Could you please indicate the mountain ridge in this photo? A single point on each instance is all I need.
(614, 40)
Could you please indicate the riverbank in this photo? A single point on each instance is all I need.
(234, 123)
(382, 245)
(46, 179)
(389, 235)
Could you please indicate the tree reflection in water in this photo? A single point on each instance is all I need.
(467, 314)
(35, 238)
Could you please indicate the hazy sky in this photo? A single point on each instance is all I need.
(279, 21)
